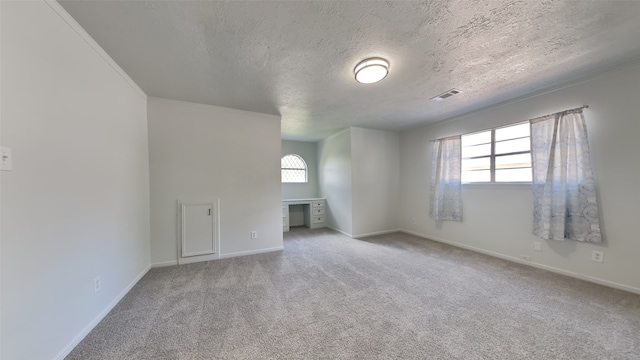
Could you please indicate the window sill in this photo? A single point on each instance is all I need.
(504, 185)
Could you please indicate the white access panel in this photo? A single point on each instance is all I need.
(198, 229)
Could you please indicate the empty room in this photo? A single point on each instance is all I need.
(319, 179)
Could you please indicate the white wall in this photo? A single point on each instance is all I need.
(1, 114)
(498, 219)
(309, 152)
(375, 169)
(76, 204)
(201, 152)
(359, 175)
(334, 179)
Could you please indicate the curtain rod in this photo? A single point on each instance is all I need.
(563, 111)
(538, 117)
(447, 137)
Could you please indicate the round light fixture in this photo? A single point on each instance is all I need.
(371, 70)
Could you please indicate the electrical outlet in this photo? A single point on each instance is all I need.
(597, 256)
(254, 234)
(413, 221)
(525, 257)
(537, 246)
(97, 285)
(5, 159)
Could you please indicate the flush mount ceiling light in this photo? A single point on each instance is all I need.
(371, 70)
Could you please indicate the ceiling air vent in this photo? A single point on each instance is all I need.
(446, 94)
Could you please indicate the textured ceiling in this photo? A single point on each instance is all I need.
(296, 59)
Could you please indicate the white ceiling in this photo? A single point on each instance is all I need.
(296, 59)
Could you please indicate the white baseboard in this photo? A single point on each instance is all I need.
(76, 340)
(164, 263)
(251, 252)
(375, 233)
(197, 258)
(215, 257)
(572, 274)
(340, 231)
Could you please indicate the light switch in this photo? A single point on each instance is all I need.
(5, 159)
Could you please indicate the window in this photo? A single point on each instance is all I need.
(294, 169)
(497, 155)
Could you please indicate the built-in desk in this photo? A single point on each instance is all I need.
(314, 212)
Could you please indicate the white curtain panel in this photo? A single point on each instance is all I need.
(446, 182)
(564, 191)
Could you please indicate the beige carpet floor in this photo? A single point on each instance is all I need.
(394, 296)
